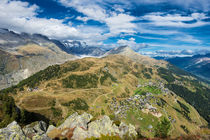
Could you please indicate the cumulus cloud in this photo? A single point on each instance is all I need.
(117, 21)
(132, 43)
(20, 16)
(121, 23)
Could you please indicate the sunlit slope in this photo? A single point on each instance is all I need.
(118, 86)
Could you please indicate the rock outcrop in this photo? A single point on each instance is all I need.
(75, 127)
(81, 127)
(34, 131)
(12, 132)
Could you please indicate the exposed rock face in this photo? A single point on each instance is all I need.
(34, 131)
(12, 132)
(82, 127)
(76, 120)
(75, 127)
(103, 126)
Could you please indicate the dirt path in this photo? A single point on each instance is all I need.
(103, 95)
(37, 108)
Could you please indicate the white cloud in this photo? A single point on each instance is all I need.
(194, 5)
(131, 43)
(21, 17)
(153, 38)
(176, 20)
(121, 23)
(187, 38)
(116, 21)
(176, 53)
(84, 19)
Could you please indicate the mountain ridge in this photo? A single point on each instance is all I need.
(197, 64)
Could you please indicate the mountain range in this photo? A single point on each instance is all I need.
(124, 85)
(197, 64)
(24, 54)
(116, 92)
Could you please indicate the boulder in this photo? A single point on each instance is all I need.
(36, 130)
(127, 130)
(79, 134)
(41, 137)
(76, 120)
(12, 132)
(103, 126)
(50, 128)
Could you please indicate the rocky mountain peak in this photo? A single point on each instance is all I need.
(74, 43)
(120, 50)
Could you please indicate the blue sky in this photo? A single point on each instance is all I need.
(151, 27)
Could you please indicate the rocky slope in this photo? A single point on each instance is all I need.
(136, 90)
(75, 127)
(22, 55)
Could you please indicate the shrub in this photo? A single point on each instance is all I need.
(77, 104)
(184, 128)
(105, 76)
(56, 112)
(81, 81)
(162, 128)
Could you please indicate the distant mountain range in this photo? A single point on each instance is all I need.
(197, 64)
(79, 48)
(23, 54)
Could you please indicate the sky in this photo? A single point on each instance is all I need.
(150, 27)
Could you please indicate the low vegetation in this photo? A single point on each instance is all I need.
(81, 81)
(10, 112)
(166, 74)
(162, 128)
(148, 89)
(103, 137)
(77, 104)
(199, 99)
(105, 76)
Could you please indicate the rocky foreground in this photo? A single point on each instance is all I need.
(76, 127)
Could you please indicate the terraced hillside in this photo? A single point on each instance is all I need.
(128, 90)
